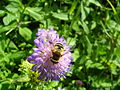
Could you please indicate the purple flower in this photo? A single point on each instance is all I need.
(79, 83)
(52, 57)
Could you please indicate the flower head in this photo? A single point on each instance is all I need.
(52, 57)
(79, 83)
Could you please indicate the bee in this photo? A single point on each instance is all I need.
(57, 53)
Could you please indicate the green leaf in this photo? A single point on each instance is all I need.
(117, 51)
(89, 45)
(12, 8)
(0, 86)
(61, 16)
(84, 11)
(12, 45)
(74, 4)
(83, 16)
(25, 33)
(93, 25)
(75, 26)
(5, 82)
(83, 59)
(88, 63)
(23, 79)
(71, 41)
(2, 13)
(8, 27)
(85, 27)
(33, 12)
(117, 62)
(8, 19)
(2, 54)
(2, 44)
(53, 83)
(95, 2)
(105, 84)
(91, 64)
(16, 55)
(76, 54)
(14, 0)
(113, 25)
(97, 65)
(18, 87)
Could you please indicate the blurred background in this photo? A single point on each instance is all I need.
(91, 27)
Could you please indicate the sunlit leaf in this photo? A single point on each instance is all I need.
(85, 27)
(2, 13)
(75, 26)
(76, 54)
(89, 45)
(25, 33)
(33, 12)
(61, 16)
(95, 2)
(7, 28)
(9, 18)
(74, 4)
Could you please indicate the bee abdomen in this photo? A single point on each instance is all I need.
(54, 61)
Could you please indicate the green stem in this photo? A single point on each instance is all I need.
(112, 7)
(21, 17)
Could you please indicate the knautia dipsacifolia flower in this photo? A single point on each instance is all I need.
(52, 57)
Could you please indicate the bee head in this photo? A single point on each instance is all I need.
(59, 47)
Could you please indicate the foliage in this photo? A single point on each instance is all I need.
(91, 27)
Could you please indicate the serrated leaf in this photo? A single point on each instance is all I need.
(25, 33)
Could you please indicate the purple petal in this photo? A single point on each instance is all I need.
(35, 55)
(38, 60)
(36, 49)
